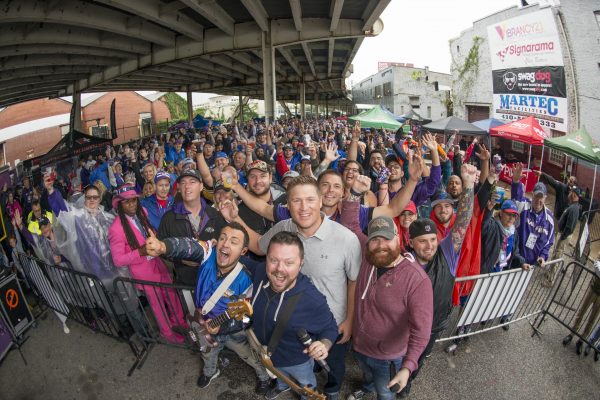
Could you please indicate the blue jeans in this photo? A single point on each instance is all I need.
(302, 373)
(376, 375)
(238, 343)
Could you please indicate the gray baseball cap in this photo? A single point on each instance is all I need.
(382, 226)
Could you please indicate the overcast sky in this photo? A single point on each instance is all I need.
(416, 32)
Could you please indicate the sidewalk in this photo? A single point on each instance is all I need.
(493, 365)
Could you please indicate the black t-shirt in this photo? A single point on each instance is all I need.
(256, 222)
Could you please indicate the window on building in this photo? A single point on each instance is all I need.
(387, 89)
(556, 157)
(517, 146)
(402, 110)
(145, 124)
(429, 112)
(378, 91)
(597, 15)
(414, 101)
(2, 157)
(99, 131)
(64, 129)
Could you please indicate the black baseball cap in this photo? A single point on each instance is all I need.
(420, 227)
(193, 173)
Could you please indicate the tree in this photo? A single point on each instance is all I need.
(250, 111)
(177, 106)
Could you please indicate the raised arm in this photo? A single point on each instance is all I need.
(353, 150)
(204, 169)
(484, 156)
(55, 199)
(257, 205)
(183, 248)
(402, 198)
(517, 189)
(464, 211)
(331, 154)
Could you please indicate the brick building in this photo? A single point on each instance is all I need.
(30, 129)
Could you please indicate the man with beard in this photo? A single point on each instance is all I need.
(216, 265)
(259, 187)
(442, 214)
(387, 331)
(331, 261)
(425, 189)
(439, 258)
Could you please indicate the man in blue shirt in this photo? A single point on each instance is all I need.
(216, 264)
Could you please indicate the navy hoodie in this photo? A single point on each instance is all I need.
(311, 313)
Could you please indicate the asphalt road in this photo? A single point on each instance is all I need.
(494, 365)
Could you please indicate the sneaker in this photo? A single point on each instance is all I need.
(273, 393)
(356, 395)
(262, 387)
(204, 381)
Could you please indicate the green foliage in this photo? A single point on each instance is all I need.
(250, 111)
(467, 73)
(416, 75)
(200, 111)
(177, 106)
(471, 63)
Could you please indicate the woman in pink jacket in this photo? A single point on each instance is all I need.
(127, 236)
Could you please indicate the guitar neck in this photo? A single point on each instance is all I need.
(218, 321)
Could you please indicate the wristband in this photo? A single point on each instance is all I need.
(353, 193)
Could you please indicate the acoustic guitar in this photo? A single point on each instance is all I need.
(236, 309)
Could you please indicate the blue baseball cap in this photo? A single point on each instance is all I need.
(162, 175)
(540, 188)
(220, 154)
(442, 197)
(510, 207)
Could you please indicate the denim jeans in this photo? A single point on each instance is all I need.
(337, 363)
(302, 373)
(376, 375)
(238, 343)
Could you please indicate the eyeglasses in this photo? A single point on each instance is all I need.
(92, 197)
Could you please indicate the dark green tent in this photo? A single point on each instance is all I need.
(377, 118)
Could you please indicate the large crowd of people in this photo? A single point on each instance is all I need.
(354, 235)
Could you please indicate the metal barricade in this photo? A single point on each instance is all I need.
(495, 300)
(83, 298)
(163, 311)
(79, 296)
(575, 303)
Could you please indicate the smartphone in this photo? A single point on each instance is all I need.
(383, 175)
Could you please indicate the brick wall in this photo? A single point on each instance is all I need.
(34, 143)
(129, 105)
(32, 110)
(160, 111)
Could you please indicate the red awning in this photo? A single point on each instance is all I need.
(526, 130)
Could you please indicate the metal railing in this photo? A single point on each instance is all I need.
(496, 300)
(83, 298)
(575, 303)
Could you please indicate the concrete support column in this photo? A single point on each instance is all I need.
(302, 101)
(317, 105)
(77, 124)
(295, 108)
(241, 106)
(190, 107)
(269, 85)
(326, 107)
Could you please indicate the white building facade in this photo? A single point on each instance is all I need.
(402, 87)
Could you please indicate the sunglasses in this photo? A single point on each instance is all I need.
(92, 197)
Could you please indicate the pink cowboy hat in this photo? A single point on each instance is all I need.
(125, 192)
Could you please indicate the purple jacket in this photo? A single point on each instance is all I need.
(536, 231)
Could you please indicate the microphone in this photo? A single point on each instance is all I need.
(306, 340)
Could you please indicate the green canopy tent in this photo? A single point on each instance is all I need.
(376, 118)
(578, 144)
